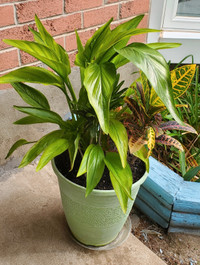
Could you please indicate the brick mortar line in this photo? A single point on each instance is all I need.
(13, 3)
(125, 1)
(19, 57)
(99, 7)
(118, 13)
(82, 20)
(63, 7)
(15, 68)
(64, 41)
(8, 50)
(71, 52)
(15, 14)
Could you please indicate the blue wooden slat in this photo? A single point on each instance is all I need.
(184, 230)
(150, 213)
(155, 204)
(186, 220)
(188, 198)
(162, 182)
(165, 191)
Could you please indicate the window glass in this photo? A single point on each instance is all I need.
(188, 8)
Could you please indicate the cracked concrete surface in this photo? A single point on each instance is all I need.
(34, 230)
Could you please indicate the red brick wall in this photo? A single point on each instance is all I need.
(61, 18)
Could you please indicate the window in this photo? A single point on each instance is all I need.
(182, 14)
(179, 21)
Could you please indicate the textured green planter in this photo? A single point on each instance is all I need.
(97, 219)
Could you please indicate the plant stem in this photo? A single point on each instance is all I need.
(100, 134)
(196, 95)
(68, 99)
(190, 55)
(80, 151)
(71, 90)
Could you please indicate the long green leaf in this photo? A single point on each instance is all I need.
(191, 173)
(119, 136)
(93, 44)
(95, 168)
(73, 149)
(119, 60)
(182, 162)
(99, 82)
(156, 70)
(31, 96)
(122, 175)
(84, 57)
(32, 47)
(32, 74)
(121, 194)
(29, 120)
(83, 166)
(62, 57)
(42, 53)
(46, 115)
(130, 24)
(121, 41)
(54, 149)
(51, 43)
(37, 36)
(80, 50)
(143, 155)
(163, 45)
(16, 145)
(117, 41)
(39, 147)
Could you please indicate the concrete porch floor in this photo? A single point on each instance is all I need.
(33, 229)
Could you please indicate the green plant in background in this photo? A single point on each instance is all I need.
(187, 161)
(93, 115)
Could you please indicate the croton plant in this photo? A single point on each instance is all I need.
(144, 121)
(101, 113)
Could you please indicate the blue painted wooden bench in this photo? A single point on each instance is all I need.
(169, 200)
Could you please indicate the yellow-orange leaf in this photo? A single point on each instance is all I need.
(136, 144)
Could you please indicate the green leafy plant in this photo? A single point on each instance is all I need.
(94, 119)
(144, 121)
(185, 162)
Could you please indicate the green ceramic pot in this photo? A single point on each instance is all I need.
(97, 219)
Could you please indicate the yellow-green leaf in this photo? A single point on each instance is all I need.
(150, 139)
(181, 79)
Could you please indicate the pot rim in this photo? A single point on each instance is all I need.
(95, 191)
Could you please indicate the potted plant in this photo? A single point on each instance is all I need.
(95, 137)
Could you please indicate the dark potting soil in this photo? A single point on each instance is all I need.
(62, 163)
